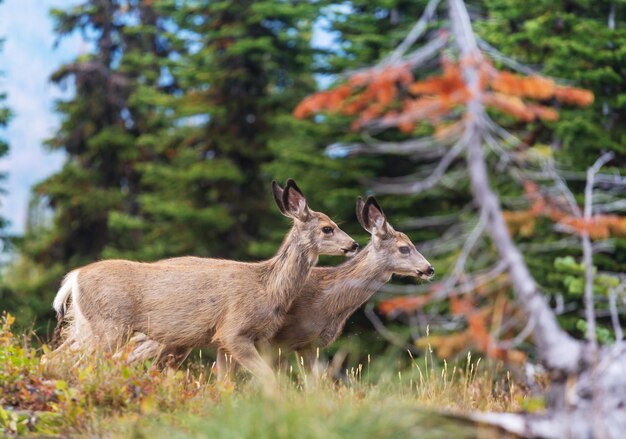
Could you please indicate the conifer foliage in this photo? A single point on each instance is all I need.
(240, 66)
(166, 136)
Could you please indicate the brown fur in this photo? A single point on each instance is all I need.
(228, 303)
(331, 294)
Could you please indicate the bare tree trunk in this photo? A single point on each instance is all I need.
(555, 347)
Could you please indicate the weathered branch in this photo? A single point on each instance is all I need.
(562, 186)
(427, 51)
(590, 315)
(415, 58)
(429, 182)
(610, 207)
(459, 265)
(617, 327)
(433, 221)
(413, 35)
(426, 145)
(509, 62)
(601, 179)
(381, 329)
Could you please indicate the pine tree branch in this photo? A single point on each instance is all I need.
(426, 146)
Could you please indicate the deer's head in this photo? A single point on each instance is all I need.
(320, 232)
(394, 249)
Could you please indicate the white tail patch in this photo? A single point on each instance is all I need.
(78, 331)
(68, 286)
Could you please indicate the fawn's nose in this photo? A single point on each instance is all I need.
(355, 246)
(430, 270)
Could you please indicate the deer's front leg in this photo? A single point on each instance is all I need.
(245, 353)
(311, 363)
(226, 365)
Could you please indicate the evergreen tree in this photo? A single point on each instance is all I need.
(244, 66)
(166, 136)
(364, 32)
(579, 42)
(99, 131)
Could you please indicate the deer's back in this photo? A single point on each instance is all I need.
(177, 304)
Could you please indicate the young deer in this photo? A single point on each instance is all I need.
(331, 294)
(226, 303)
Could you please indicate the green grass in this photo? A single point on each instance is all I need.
(105, 397)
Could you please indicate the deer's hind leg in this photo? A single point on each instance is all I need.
(144, 348)
(172, 356)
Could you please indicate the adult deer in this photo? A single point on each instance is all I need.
(226, 303)
(331, 294)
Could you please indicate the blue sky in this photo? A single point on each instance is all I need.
(27, 60)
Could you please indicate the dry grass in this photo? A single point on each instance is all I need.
(107, 397)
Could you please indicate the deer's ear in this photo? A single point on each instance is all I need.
(277, 191)
(360, 204)
(374, 219)
(294, 202)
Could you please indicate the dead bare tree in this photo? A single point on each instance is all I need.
(587, 396)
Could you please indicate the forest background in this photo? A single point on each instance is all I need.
(182, 114)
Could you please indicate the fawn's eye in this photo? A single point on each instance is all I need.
(404, 250)
(327, 229)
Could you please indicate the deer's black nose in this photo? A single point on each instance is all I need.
(430, 270)
(355, 246)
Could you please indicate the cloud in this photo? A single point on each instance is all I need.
(28, 59)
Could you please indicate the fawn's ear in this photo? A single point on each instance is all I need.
(277, 191)
(360, 204)
(295, 202)
(374, 220)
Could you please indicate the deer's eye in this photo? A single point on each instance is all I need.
(327, 229)
(404, 250)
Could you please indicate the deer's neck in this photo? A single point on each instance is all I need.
(353, 282)
(288, 270)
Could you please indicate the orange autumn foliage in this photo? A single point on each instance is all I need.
(522, 222)
(544, 113)
(481, 320)
(447, 84)
(535, 87)
(477, 335)
(512, 105)
(404, 304)
(391, 96)
(573, 96)
(326, 100)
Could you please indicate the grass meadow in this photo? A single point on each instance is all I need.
(102, 396)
